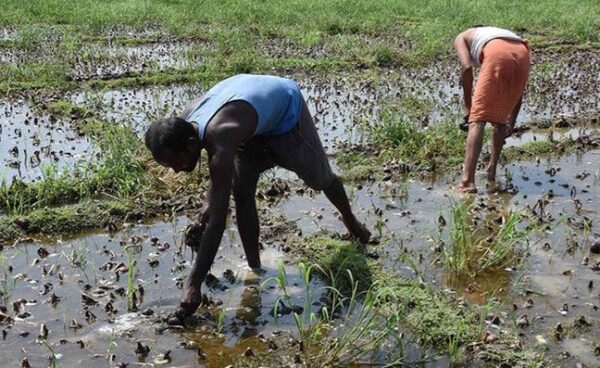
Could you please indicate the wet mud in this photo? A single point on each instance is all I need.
(30, 143)
(72, 294)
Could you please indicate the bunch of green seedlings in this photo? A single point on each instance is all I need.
(353, 326)
(468, 253)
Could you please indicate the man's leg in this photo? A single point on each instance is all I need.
(498, 135)
(301, 151)
(473, 149)
(251, 159)
(244, 195)
(336, 194)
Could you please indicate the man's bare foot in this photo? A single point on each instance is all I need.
(466, 188)
(359, 232)
(490, 174)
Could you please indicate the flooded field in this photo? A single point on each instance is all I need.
(34, 145)
(103, 298)
(118, 61)
(343, 103)
(79, 290)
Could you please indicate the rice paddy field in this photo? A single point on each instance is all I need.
(92, 259)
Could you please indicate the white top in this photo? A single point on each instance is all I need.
(483, 35)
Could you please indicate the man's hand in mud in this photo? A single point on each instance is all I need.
(191, 298)
(193, 234)
(464, 124)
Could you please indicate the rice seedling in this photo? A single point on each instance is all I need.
(53, 357)
(112, 345)
(456, 351)
(77, 257)
(131, 286)
(349, 328)
(471, 253)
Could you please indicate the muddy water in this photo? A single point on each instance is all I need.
(543, 135)
(343, 102)
(97, 61)
(552, 277)
(29, 142)
(82, 265)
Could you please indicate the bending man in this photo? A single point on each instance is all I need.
(247, 124)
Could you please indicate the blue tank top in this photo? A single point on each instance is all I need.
(277, 101)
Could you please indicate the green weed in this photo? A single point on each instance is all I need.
(350, 328)
(471, 253)
(131, 285)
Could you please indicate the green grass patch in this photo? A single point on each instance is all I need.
(116, 172)
(363, 33)
(545, 147)
(472, 251)
(68, 219)
(398, 138)
(437, 318)
(335, 257)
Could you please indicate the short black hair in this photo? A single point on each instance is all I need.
(169, 133)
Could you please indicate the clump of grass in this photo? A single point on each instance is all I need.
(383, 55)
(117, 172)
(350, 328)
(470, 253)
(536, 148)
(434, 147)
(337, 260)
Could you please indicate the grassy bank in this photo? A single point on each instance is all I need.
(308, 20)
(121, 183)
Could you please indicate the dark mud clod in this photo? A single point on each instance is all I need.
(595, 248)
(229, 276)
(42, 252)
(25, 363)
(201, 354)
(523, 321)
(43, 332)
(142, 350)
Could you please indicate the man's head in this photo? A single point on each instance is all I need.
(174, 143)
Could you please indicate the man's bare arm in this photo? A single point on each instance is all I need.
(221, 172)
(466, 68)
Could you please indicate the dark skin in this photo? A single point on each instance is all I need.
(235, 123)
(462, 45)
(229, 128)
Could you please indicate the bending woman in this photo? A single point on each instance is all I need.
(504, 58)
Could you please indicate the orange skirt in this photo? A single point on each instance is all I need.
(501, 81)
